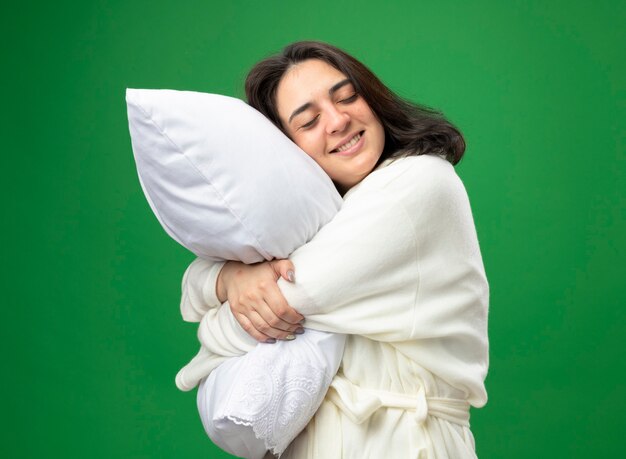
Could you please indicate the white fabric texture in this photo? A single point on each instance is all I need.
(223, 181)
(259, 401)
(274, 389)
(399, 270)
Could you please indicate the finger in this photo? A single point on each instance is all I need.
(249, 327)
(263, 320)
(276, 302)
(272, 296)
(285, 269)
(273, 321)
(261, 325)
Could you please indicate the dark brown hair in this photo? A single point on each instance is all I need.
(409, 128)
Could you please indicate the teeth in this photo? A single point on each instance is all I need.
(350, 143)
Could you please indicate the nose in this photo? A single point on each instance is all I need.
(336, 120)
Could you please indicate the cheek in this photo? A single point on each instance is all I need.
(311, 144)
(364, 110)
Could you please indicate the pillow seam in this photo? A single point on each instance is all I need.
(181, 152)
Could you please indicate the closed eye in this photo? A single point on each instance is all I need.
(350, 99)
(310, 123)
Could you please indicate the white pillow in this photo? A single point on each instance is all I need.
(222, 179)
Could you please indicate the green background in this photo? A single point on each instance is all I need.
(91, 332)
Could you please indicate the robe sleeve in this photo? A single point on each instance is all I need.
(359, 274)
(344, 277)
(399, 261)
(199, 289)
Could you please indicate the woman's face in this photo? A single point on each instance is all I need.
(324, 116)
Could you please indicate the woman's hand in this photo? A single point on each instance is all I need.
(256, 301)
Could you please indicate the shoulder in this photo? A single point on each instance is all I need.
(422, 168)
(408, 170)
(413, 178)
(423, 189)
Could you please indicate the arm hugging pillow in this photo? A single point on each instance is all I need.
(222, 179)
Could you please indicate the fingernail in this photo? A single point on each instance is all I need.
(270, 341)
(299, 331)
(291, 276)
(290, 337)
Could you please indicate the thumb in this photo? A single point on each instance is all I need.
(285, 269)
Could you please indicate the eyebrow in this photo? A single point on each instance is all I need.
(331, 91)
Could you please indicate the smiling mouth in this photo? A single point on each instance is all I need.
(349, 143)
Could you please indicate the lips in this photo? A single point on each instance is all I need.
(345, 144)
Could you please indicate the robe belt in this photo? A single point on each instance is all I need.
(358, 403)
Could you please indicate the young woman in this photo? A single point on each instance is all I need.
(398, 269)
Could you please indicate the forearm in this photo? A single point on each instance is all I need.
(230, 272)
(220, 333)
(221, 338)
(369, 273)
(199, 289)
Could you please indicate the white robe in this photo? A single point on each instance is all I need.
(399, 270)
